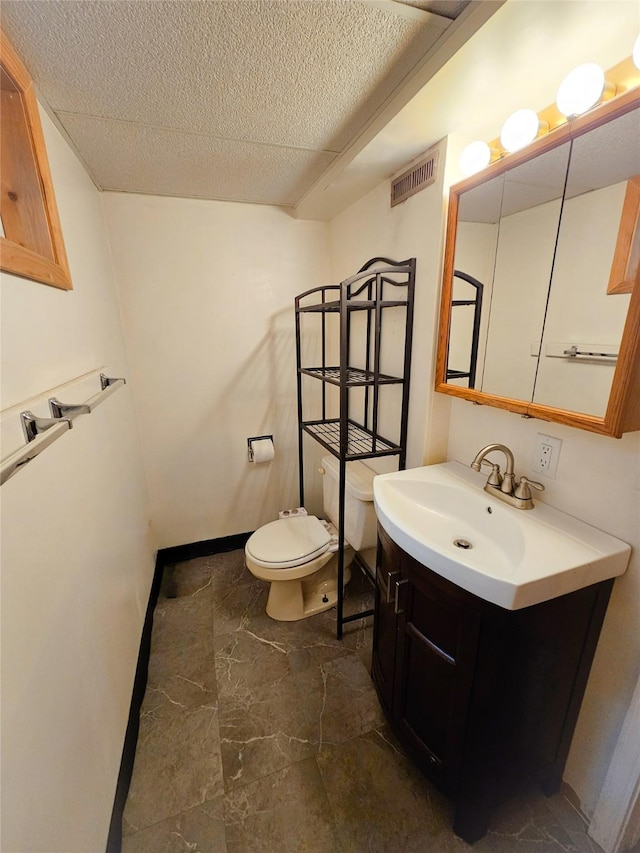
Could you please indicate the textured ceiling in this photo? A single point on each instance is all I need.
(247, 100)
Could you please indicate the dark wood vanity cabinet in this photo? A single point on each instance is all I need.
(484, 699)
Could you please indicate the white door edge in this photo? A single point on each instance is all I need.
(621, 787)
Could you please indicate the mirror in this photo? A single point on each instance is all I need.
(506, 237)
(530, 320)
(584, 323)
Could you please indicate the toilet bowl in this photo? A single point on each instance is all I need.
(298, 555)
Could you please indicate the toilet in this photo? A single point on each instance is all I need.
(298, 555)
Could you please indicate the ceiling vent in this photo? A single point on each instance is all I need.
(420, 174)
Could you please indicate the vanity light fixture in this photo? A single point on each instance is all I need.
(582, 89)
(475, 157)
(521, 128)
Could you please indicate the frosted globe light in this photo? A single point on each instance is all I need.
(475, 157)
(636, 53)
(581, 89)
(519, 130)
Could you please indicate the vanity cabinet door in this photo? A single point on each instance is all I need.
(435, 657)
(385, 623)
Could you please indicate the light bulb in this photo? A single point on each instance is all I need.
(636, 53)
(581, 89)
(475, 157)
(519, 130)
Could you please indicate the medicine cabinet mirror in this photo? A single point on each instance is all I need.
(531, 318)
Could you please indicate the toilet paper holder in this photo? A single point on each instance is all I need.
(255, 438)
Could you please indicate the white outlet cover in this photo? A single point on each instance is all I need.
(555, 444)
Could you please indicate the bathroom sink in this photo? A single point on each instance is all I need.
(442, 517)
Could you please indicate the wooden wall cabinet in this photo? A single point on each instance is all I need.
(31, 245)
(485, 700)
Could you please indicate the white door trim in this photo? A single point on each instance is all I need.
(621, 787)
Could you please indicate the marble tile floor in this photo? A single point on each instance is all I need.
(258, 735)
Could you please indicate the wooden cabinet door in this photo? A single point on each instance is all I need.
(385, 621)
(438, 627)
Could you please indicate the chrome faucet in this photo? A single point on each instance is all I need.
(503, 486)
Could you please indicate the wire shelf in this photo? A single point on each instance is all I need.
(353, 376)
(361, 443)
(352, 305)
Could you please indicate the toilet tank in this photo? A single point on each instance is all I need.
(360, 526)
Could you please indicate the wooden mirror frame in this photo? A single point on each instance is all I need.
(32, 247)
(623, 409)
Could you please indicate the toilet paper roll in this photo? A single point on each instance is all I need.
(263, 450)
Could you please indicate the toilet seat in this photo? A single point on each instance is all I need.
(288, 542)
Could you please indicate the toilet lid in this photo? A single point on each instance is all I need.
(289, 541)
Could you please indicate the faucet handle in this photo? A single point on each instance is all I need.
(522, 489)
(495, 477)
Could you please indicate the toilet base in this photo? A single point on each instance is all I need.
(292, 600)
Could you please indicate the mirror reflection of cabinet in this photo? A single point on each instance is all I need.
(541, 230)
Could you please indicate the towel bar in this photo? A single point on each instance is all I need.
(39, 432)
(72, 410)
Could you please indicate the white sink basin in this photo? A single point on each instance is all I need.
(515, 558)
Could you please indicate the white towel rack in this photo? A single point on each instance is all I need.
(39, 433)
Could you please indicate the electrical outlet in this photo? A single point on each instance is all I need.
(545, 455)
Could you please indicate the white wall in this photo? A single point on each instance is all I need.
(207, 292)
(76, 558)
(598, 478)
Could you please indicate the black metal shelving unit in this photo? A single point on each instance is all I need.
(476, 303)
(381, 284)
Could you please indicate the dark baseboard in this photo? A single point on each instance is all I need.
(114, 840)
(164, 557)
(180, 553)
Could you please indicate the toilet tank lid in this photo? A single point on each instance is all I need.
(359, 477)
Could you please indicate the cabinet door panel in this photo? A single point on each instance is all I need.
(429, 694)
(385, 624)
(436, 646)
(437, 619)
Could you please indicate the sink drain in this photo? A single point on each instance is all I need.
(462, 543)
